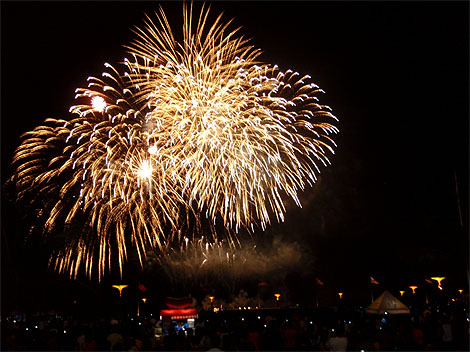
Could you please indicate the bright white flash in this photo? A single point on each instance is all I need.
(98, 103)
(152, 150)
(145, 170)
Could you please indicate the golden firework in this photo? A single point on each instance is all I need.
(191, 128)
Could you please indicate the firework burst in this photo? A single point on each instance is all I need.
(191, 129)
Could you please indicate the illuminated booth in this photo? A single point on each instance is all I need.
(181, 310)
(386, 303)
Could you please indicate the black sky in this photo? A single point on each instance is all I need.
(395, 73)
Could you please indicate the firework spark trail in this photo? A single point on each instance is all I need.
(189, 129)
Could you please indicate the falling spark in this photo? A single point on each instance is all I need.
(194, 127)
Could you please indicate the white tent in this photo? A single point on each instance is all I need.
(386, 302)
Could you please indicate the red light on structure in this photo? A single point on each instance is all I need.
(188, 313)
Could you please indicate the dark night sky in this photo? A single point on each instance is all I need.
(395, 73)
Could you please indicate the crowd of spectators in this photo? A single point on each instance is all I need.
(259, 330)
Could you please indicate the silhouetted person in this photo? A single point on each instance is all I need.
(339, 341)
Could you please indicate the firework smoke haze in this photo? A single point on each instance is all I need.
(197, 128)
(222, 265)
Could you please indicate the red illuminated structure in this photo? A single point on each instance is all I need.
(179, 314)
(180, 309)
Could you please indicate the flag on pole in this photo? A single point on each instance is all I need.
(374, 281)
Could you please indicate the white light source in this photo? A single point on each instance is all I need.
(152, 150)
(145, 170)
(98, 103)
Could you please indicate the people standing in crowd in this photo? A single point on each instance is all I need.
(338, 340)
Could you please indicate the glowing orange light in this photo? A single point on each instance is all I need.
(438, 279)
(211, 298)
(277, 295)
(98, 103)
(340, 294)
(413, 288)
(460, 291)
(120, 288)
(401, 293)
(144, 300)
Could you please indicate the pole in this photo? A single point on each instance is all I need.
(461, 221)
(468, 278)
(458, 199)
(371, 292)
